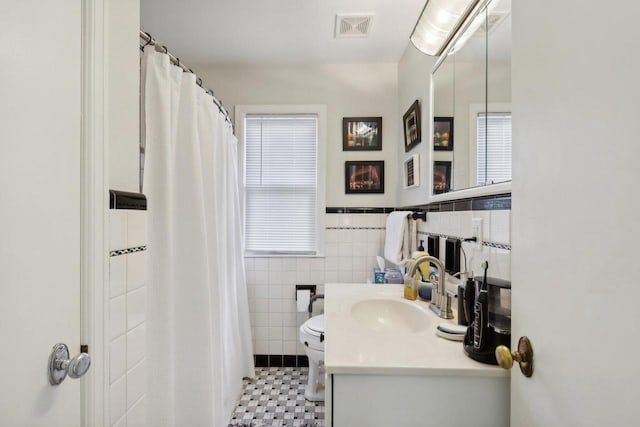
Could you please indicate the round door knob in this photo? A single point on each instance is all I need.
(524, 356)
(78, 366)
(60, 365)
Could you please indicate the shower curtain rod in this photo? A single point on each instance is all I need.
(150, 41)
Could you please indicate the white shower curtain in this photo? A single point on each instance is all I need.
(198, 329)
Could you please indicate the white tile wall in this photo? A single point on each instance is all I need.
(117, 316)
(136, 307)
(496, 226)
(117, 229)
(118, 400)
(136, 384)
(136, 416)
(117, 276)
(127, 328)
(349, 256)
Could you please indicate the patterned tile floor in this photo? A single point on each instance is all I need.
(276, 399)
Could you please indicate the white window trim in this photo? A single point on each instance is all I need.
(241, 112)
(474, 110)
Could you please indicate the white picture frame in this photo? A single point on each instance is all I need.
(412, 171)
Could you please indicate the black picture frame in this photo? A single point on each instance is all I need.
(412, 127)
(441, 177)
(364, 177)
(443, 133)
(362, 134)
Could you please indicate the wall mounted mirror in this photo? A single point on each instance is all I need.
(471, 114)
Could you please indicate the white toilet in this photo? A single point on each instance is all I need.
(312, 337)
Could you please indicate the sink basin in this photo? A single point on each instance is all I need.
(390, 315)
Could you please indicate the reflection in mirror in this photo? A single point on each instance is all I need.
(443, 108)
(472, 90)
(494, 150)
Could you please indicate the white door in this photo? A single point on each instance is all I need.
(40, 71)
(576, 210)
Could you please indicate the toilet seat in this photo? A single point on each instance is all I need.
(316, 324)
(312, 333)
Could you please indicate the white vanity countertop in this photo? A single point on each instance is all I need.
(353, 348)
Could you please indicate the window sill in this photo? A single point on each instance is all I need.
(318, 255)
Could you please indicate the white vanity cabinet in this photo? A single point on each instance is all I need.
(394, 375)
(417, 400)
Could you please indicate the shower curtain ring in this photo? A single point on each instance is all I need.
(150, 41)
(166, 51)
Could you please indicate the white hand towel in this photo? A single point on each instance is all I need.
(410, 242)
(396, 233)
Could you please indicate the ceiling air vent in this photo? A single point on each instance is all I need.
(353, 25)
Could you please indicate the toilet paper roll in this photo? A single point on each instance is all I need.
(303, 296)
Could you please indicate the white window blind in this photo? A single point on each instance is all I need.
(493, 161)
(280, 178)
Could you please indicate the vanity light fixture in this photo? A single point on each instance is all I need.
(481, 22)
(439, 21)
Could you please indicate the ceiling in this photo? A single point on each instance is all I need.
(278, 31)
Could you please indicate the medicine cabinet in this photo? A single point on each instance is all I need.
(471, 110)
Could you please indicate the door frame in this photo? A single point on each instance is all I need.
(94, 199)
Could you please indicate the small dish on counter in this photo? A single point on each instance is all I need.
(451, 331)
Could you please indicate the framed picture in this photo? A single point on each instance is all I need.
(362, 134)
(364, 177)
(443, 133)
(412, 131)
(441, 177)
(412, 171)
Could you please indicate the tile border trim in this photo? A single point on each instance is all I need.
(355, 228)
(484, 243)
(368, 210)
(483, 203)
(280, 361)
(127, 251)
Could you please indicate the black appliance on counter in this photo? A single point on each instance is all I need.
(488, 309)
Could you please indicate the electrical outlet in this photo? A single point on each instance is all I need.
(476, 231)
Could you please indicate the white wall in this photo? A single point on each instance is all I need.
(348, 90)
(576, 103)
(122, 63)
(414, 71)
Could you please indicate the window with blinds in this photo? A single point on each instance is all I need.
(281, 184)
(493, 159)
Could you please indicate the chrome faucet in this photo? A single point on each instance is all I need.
(440, 299)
